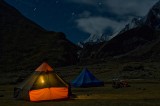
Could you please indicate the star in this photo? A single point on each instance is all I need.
(99, 4)
(35, 9)
(73, 13)
(57, 2)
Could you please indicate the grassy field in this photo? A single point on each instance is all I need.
(139, 94)
(103, 71)
(144, 79)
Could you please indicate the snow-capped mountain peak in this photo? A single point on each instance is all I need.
(96, 38)
(135, 22)
(153, 17)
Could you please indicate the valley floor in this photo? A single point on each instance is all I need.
(145, 93)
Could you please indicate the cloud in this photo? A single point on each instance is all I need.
(111, 14)
(84, 14)
(97, 25)
(121, 7)
(131, 7)
(125, 9)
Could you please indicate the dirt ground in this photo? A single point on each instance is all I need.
(139, 94)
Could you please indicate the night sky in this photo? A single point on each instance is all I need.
(80, 18)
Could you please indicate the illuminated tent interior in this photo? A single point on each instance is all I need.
(43, 84)
(86, 79)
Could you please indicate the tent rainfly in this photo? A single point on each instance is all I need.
(86, 79)
(43, 84)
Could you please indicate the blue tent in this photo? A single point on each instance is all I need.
(86, 79)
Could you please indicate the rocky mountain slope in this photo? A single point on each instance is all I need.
(139, 39)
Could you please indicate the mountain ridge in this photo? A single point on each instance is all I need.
(24, 44)
(132, 42)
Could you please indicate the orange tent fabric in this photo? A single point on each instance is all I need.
(44, 67)
(48, 94)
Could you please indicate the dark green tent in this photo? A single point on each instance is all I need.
(43, 84)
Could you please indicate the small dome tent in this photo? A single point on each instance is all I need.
(43, 84)
(86, 79)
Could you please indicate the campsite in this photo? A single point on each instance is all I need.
(142, 92)
(80, 52)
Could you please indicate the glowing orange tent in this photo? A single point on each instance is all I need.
(43, 84)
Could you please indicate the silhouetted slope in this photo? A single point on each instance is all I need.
(127, 41)
(24, 44)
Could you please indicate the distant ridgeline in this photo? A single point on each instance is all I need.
(24, 44)
(140, 40)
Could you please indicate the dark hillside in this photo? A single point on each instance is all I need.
(24, 44)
